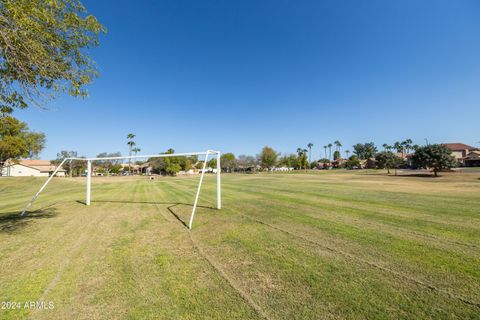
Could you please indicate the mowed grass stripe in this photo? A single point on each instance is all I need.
(256, 209)
(435, 264)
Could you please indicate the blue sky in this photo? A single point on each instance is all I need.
(238, 75)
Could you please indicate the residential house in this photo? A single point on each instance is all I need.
(472, 159)
(460, 151)
(30, 168)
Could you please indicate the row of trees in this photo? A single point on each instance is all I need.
(336, 153)
(432, 156)
(172, 165)
(18, 141)
(361, 150)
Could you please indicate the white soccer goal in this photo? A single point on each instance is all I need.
(89, 176)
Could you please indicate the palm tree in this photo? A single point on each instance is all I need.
(407, 145)
(325, 147)
(135, 150)
(131, 144)
(299, 153)
(338, 145)
(347, 152)
(385, 147)
(310, 145)
(398, 146)
(330, 151)
(305, 158)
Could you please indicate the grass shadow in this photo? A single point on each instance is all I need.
(11, 222)
(176, 215)
(146, 202)
(406, 175)
(169, 208)
(417, 175)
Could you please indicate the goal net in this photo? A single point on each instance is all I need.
(89, 176)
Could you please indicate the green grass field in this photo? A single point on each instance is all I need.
(329, 245)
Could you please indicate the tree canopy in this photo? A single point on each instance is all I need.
(42, 51)
(172, 165)
(110, 165)
(388, 160)
(352, 162)
(365, 150)
(268, 157)
(228, 161)
(17, 141)
(73, 167)
(433, 156)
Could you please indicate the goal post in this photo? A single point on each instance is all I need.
(89, 176)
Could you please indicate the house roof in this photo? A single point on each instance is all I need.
(36, 162)
(40, 165)
(457, 146)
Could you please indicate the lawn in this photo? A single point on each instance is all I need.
(327, 245)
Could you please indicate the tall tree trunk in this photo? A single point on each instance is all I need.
(130, 160)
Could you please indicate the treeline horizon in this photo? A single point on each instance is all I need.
(398, 155)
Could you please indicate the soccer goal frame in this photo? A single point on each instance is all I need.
(89, 176)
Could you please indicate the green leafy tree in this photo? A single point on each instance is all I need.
(359, 150)
(42, 51)
(289, 161)
(172, 168)
(228, 162)
(352, 162)
(106, 165)
(17, 141)
(388, 160)
(370, 150)
(199, 165)
(73, 167)
(302, 160)
(365, 150)
(116, 168)
(336, 155)
(268, 157)
(172, 165)
(433, 156)
(212, 163)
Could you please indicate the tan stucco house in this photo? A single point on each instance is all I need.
(30, 168)
(472, 159)
(460, 151)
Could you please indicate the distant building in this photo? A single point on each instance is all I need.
(146, 169)
(460, 151)
(472, 159)
(369, 163)
(31, 168)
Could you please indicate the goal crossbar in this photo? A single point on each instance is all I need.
(89, 176)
